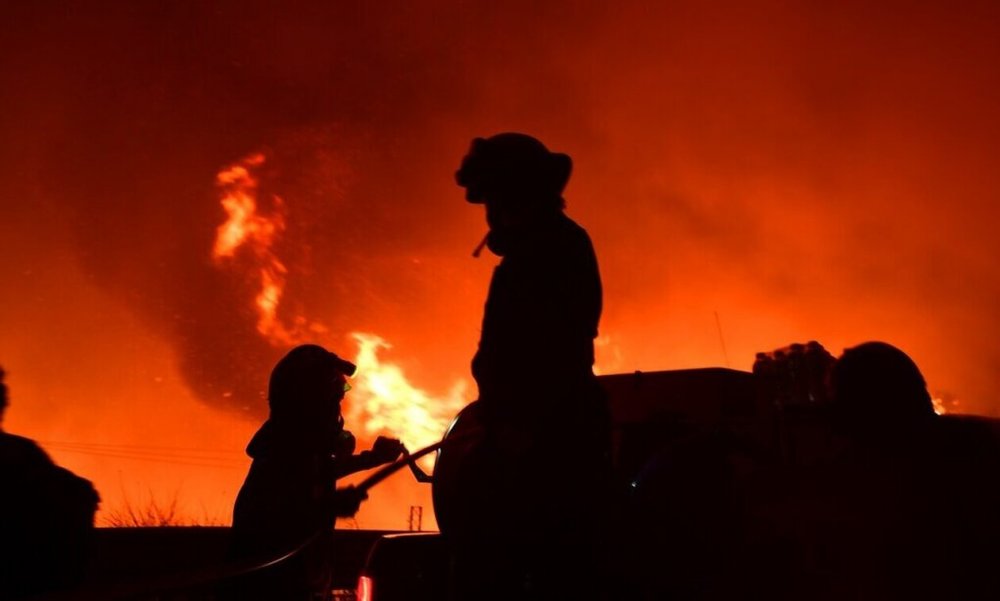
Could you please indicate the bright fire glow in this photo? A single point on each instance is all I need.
(247, 228)
(240, 202)
(944, 404)
(384, 401)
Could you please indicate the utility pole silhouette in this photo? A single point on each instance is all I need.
(722, 340)
(416, 520)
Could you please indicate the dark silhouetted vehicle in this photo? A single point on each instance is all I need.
(738, 485)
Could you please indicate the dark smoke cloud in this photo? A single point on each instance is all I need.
(802, 171)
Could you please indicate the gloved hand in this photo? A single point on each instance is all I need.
(386, 449)
(344, 444)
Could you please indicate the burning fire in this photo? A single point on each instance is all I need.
(383, 400)
(246, 228)
(944, 404)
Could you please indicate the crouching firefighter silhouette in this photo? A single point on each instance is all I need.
(524, 504)
(289, 495)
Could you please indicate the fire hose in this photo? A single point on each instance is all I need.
(466, 427)
(408, 459)
(199, 579)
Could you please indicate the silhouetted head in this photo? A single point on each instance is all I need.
(515, 169)
(307, 385)
(876, 384)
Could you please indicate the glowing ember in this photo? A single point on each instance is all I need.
(385, 402)
(246, 228)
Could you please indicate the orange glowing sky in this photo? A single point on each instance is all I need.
(800, 170)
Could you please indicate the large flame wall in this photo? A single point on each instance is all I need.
(751, 176)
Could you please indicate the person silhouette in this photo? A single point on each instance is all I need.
(903, 523)
(542, 473)
(879, 393)
(289, 494)
(46, 518)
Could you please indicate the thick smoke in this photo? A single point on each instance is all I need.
(801, 172)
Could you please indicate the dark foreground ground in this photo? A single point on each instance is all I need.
(127, 560)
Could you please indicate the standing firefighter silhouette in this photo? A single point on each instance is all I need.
(522, 504)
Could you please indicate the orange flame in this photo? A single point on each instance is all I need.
(239, 189)
(246, 228)
(386, 402)
(944, 404)
(383, 401)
